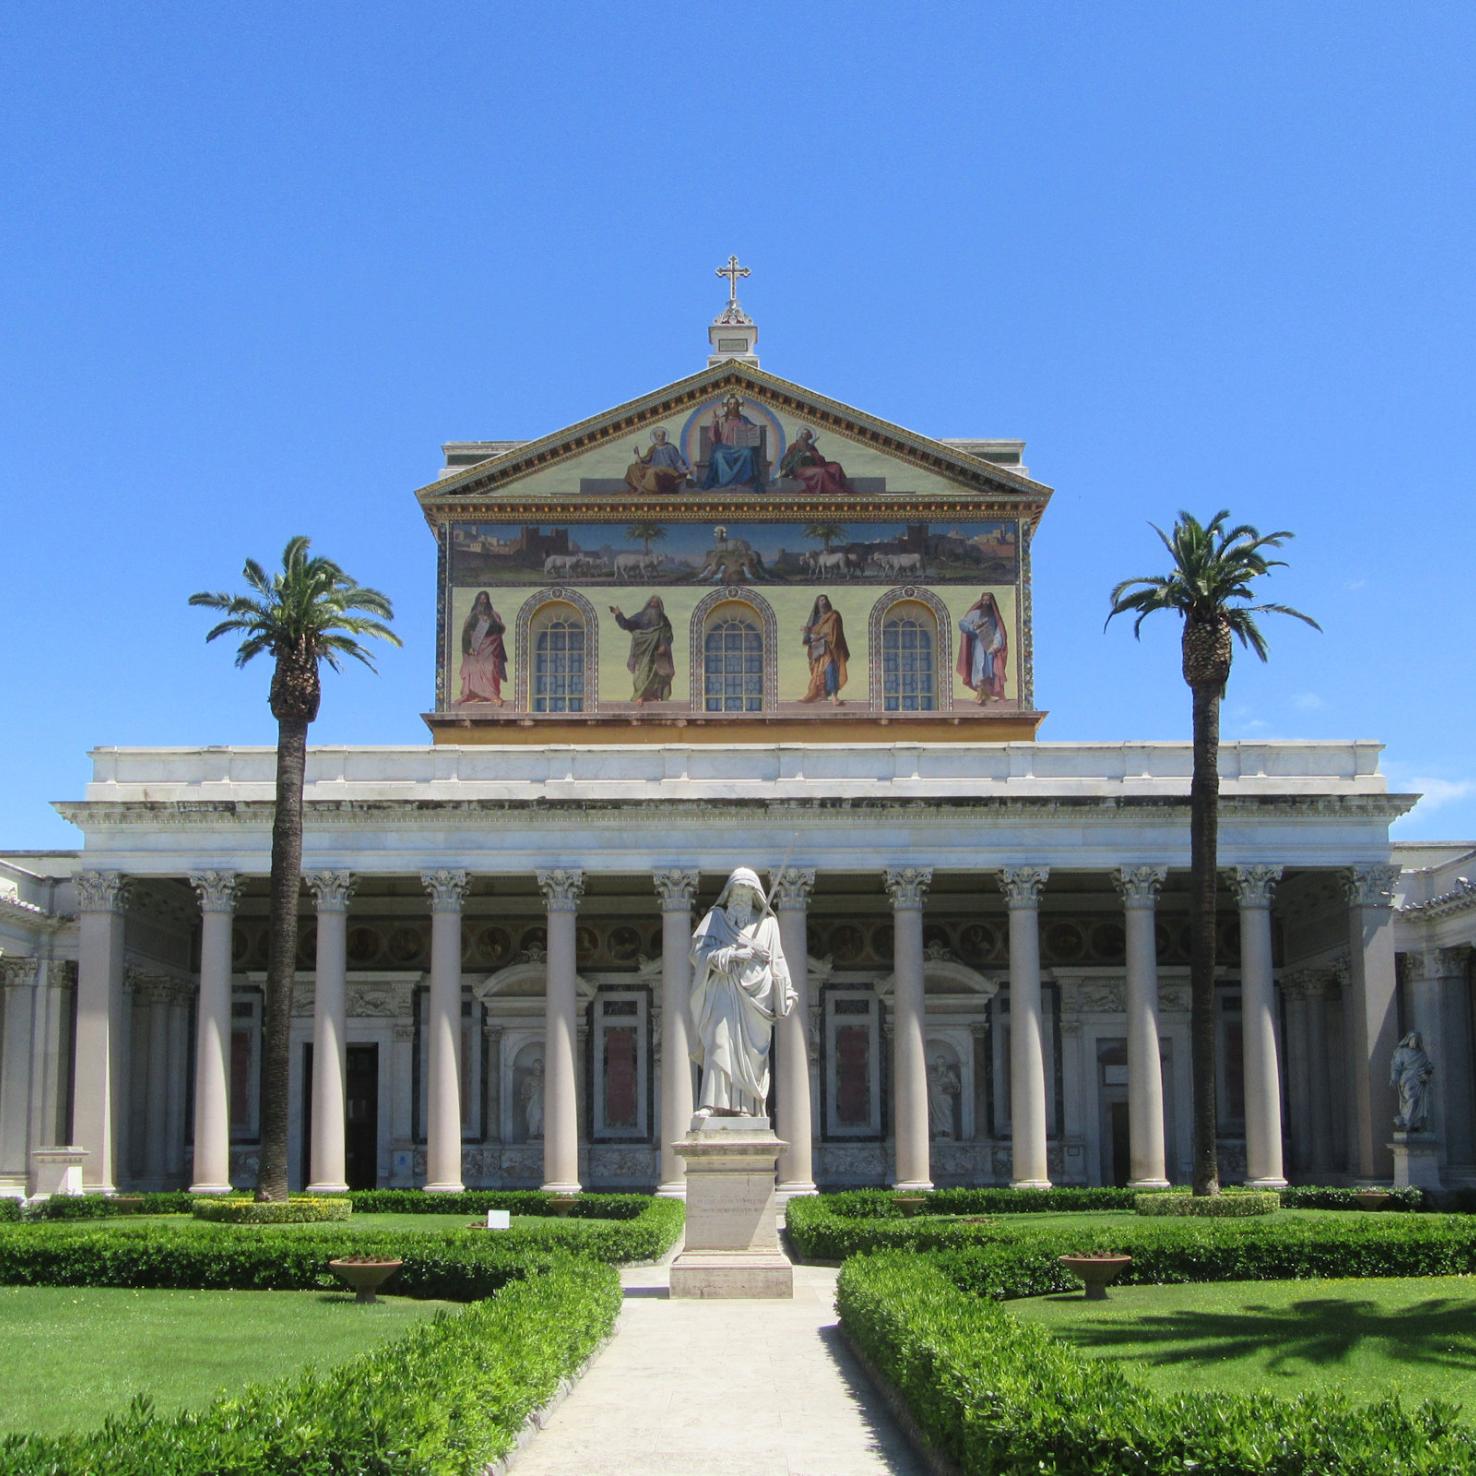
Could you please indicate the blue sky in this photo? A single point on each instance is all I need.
(257, 262)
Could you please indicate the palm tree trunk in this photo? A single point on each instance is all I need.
(1204, 804)
(286, 883)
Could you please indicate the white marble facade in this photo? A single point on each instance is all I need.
(995, 986)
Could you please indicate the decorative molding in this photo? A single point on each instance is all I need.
(676, 889)
(1370, 886)
(1139, 886)
(101, 891)
(17, 970)
(331, 889)
(446, 889)
(908, 886)
(1022, 885)
(1254, 885)
(1459, 898)
(792, 888)
(740, 594)
(562, 890)
(942, 645)
(1434, 964)
(555, 594)
(217, 890)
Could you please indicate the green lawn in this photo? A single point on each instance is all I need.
(1415, 1336)
(74, 1355)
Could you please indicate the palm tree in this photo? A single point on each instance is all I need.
(1210, 575)
(827, 533)
(645, 534)
(303, 616)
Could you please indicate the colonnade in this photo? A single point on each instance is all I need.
(101, 1059)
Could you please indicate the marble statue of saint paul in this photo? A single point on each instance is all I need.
(740, 986)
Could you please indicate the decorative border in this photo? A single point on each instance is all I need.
(522, 643)
(1025, 616)
(943, 645)
(741, 594)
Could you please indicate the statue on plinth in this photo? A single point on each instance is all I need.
(1410, 1071)
(740, 986)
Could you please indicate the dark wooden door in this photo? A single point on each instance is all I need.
(361, 1111)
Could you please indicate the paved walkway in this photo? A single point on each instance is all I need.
(741, 1388)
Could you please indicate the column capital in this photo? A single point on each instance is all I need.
(1436, 963)
(1370, 886)
(908, 886)
(1298, 983)
(101, 891)
(562, 889)
(1138, 886)
(331, 889)
(217, 890)
(446, 889)
(1022, 885)
(676, 889)
(1253, 885)
(16, 970)
(793, 886)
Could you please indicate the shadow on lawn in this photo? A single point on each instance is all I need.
(1438, 1331)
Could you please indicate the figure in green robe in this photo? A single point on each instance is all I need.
(649, 662)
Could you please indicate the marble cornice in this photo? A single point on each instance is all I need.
(1460, 898)
(32, 917)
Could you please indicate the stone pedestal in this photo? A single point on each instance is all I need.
(1416, 1160)
(56, 1171)
(732, 1245)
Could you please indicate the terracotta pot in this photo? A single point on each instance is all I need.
(1096, 1271)
(1373, 1199)
(909, 1204)
(561, 1205)
(365, 1274)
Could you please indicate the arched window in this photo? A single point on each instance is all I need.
(909, 658)
(556, 681)
(732, 660)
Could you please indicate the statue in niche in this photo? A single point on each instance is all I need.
(1410, 1071)
(530, 1097)
(740, 986)
(945, 1086)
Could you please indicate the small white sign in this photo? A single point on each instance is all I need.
(499, 1219)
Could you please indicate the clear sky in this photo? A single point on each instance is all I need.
(258, 261)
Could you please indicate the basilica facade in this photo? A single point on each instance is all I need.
(732, 621)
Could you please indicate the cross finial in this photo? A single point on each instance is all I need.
(732, 272)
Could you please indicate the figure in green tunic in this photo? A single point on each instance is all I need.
(649, 662)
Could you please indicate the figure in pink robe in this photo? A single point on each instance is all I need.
(483, 656)
(804, 462)
(984, 650)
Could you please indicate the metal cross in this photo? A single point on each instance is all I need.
(732, 272)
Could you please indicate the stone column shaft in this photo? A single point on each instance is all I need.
(19, 995)
(327, 1169)
(443, 1069)
(1373, 1022)
(212, 1173)
(1319, 1078)
(1139, 886)
(156, 1133)
(1022, 887)
(97, 1099)
(174, 1102)
(909, 888)
(1254, 886)
(676, 890)
(796, 1122)
(562, 891)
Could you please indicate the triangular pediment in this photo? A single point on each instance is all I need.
(597, 459)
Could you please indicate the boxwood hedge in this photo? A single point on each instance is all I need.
(993, 1394)
(1211, 1206)
(449, 1397)
(299, 1210)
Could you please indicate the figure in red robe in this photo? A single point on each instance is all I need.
(804, 462)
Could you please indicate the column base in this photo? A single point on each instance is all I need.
(1266, 1183)
(732, 1274)
(913, 1186)
(676, 1189)
(794, 1189)
(326, 1189)
(208, 1189)
(566, 1190)
(1148, 1184)
(443, 1188)
(1030, 1183)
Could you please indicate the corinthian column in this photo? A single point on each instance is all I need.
(1254, 886)
(97, 1099)
(327, 1170)
(1371, 1016)
(676, 890)
(908, 886)
(791, 903)
(217, 892)
(443, 1087)
(562, 891)
(1022, 886)
(1139, 887)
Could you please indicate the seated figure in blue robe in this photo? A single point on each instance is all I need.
(731, 464)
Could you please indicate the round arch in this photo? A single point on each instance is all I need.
(555, 594)
(757, 605)
(942, 644)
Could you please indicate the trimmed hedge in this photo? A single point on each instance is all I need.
(1312, 1196)
(108, 1206)
(994, 1395)
(10, 1209)
(449, 1397)
(296, 1211)
(479, 1201)
(1237, 1206)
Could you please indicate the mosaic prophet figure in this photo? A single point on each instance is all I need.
(649, 663)
(740, 986)
(983, 652)
(483, 656)
(805, 463)
(824, 638)
(663, 469)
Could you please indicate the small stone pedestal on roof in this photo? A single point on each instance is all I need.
(732, 1246)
